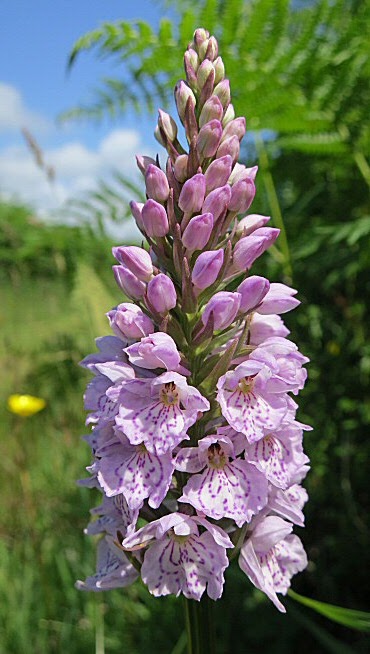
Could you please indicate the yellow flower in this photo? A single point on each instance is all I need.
(25, 405)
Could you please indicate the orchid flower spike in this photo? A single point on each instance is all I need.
(196, 448)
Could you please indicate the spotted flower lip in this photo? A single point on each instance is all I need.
(159, 411)
(114, 569)
(278, 455)
(102, 405)
(246, 404)
(228, 487)
(288, 503)
(179, 558)
(135, 473)
(114, 514)
(270, 557)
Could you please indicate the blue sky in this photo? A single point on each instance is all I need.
(36, 37)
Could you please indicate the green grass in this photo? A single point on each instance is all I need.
(45, 331)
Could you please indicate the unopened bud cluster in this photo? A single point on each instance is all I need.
(194, 423)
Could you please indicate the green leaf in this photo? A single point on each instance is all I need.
(351, 618)
(328, 642)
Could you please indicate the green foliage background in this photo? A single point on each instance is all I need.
(300, 74)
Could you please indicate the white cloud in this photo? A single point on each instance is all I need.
(74, 159)
(14, 114)
(77, 169)
(114, 147)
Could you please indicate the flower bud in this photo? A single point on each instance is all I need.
(235, 127)
(218, 173)
(230, 146)
(158, 136)
(206, 268)
(130, 321)
(279, 299)
(192, 59)
(136, 209)
(209, 138)
(128, 283)
(168, 125)
(222, 90)
(212, 110)
(143, 162)
(251, 172)
(161, 294)
(229, 115)
(156, 183)
(180, 168)
(217, 201)
(155, 219)
(197, 232)
(252, 292)
(224, 307)
(192, 194)
(250, 223)
(202, 49)
(219, 67)
(241, 172)
(242, 195)
(182, 93)
(200, 36)
(190, 70)
(249, 248)
(204, 70)
(262, 328)
(156, 350)
(136, 259)
(212, 48)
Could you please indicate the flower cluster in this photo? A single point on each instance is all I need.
(194, 424)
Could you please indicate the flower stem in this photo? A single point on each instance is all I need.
(199, 626)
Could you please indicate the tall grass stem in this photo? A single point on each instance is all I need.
(200, 626)
(273, 201)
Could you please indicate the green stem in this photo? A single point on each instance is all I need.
(199, 626)
(99, 625)
(274, 205)
(358, 156)
(362, 165)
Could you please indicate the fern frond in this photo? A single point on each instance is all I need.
(295, 70)
(327, 143)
